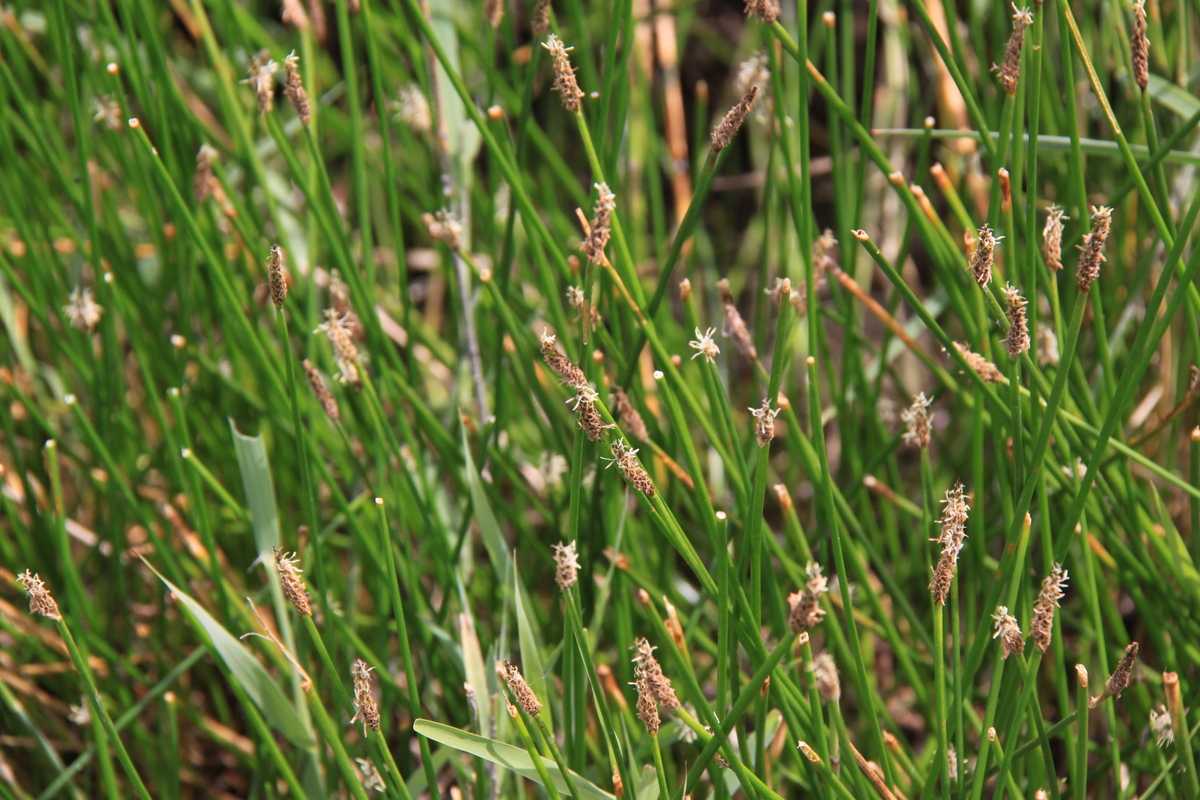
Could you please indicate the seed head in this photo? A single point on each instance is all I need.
(1092, 250)
(1140, 45)
(1018, 323)
(916, 418)
(1010, 68)
(539, 21)
(631, 421)
(704, 345)
(366, 710)
(1160, 726)
(1008, 632)
(1041, 629)
(824, 671)
(952, 538)
(723, 134)
(275, 276)
(1047, 344)
(295, 15)
(261, 77)
(106, 109)
(734, 326)
(986, 369)
(587, 415)
(413, 109)
(493, 12)
(560, 365)
(1120, 677)
(40, 601)
(321, 392)
(984, 256)
(804, 607)
(524, 696)
(81, 311)
(567, 561)
(293, 585)
(1052, 234)
(344, 349)
(626, 461)
(575, 299)
(765, 11)
(293, 88)
(824, 255)
(764, 422)
(601, 225)
(204, 179)
(564, 74)
(443, 227)
(653, 687)
(755, 71)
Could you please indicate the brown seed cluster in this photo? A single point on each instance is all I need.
(293, 585)
(986, 369)
(626, 460)
(631, 421)
(564, 74)
(295, 15)
(1018, 322)
(1140, 46)
(824, 670)
(1052, 234)
(321, 392)
(445, 228)
(345, 350)
(493, 12)
(728, 127)
(734, 326)
(600, 226)
(764, 422)
(293, 88)
(1091, 254)
(653, 687)
(40, 601)
(539, 21)
(917, 422)
(587, 415)
(952, 538)
(366, 710)
(1160, 726)
(566, 561)
(1041, 629)
(765, 11)
(524, 696)
(1008, 632)
(82, 311)
(204, 180)
(261, 77)
(275, 276)
(984, 255)
(804, 607)
(560, 365)
(1010, 68)
(1120, 677)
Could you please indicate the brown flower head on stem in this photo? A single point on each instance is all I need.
(587, 415)
(631, 421)
(321, 392)
(601, 225)
(765, 11)
(1091, 254)
(366, 710)
(917, 422)
(984, 255)
(824, 671)
(564, 74)
(1052, 234)
(804, 607)
(1120, 677)
(952, 538)
(560, 365)
(1139, 46)
(275, 277)
(295, 15)
(986, 369)
(344, 349)
(261, 77)
(1010, 68)
(1160, 726)
(566, 561)
(704, 345)
(735, 327)
(293, 585)
(1041, 629)
(1018, 322)
(412, 109)
(40, 600)
(444, 227)
(521, 692)
(539, 21)
(493, 12)
(82, 311)
(626, 461)
(204, 179)
(1008, 632)
(764, 422)
(728, 127)
(293, 88)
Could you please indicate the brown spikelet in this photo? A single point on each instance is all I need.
(566, 561)
(321, 392)
(631, 421)
(203, 180)
(366, 710)
(275, 276)
(82, 311)
(1008, 632)
(344, 349)
(601, 225)
(986, 369)
(587, 415)
(40, 600)
(295, 15)
(660, 685)
(539, 21)
(765, 11)
(824, 671)
(293, 88)
(984, 255)
(704, 345)
(626, 461)
(493, 12)
(292, 583)
(261, 77)
(1091, 254)
(735, 327)
(1140, 46)
(445, 228)
(1052, 235)
(1120, 677)
(316, 14)
(804, 607)
(560, 365)
(1018, 323)
(764, 422)
(728, 127)
(917, 422)
(564, 74)
(521, 692)
(1010, 68)
(1041, 629)
(952, 538)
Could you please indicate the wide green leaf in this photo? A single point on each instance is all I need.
(507, 756)
(259, 488)
(489, 528)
